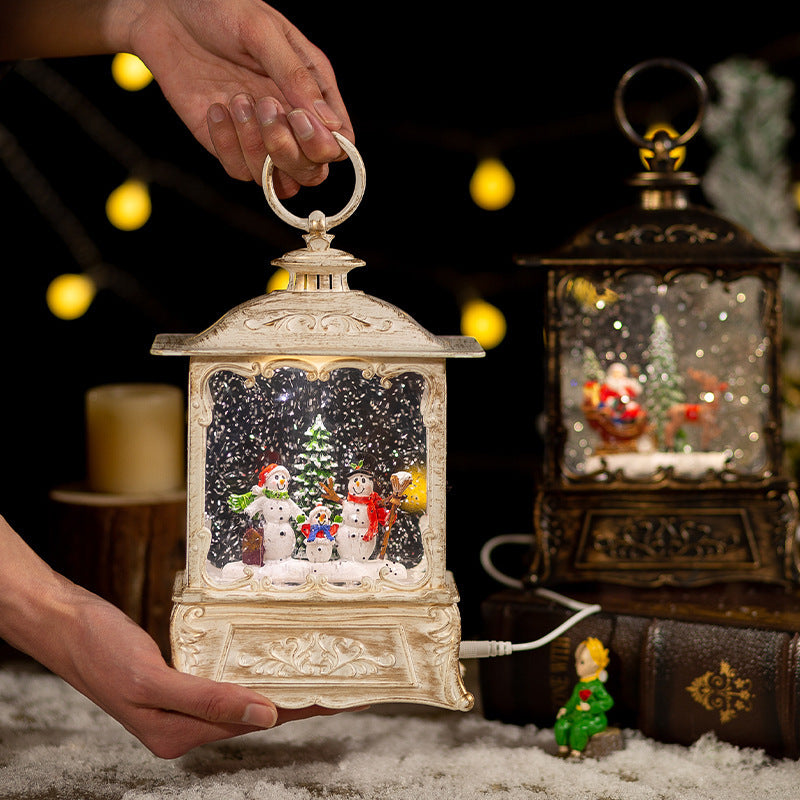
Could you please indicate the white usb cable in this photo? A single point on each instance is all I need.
(491, 648)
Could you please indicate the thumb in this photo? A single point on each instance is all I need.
(217, 702)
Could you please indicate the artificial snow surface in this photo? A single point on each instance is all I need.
(55, 744)
(647, 464)
(292, 571)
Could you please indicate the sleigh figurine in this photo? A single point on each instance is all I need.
(611, 408)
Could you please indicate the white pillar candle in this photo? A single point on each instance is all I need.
(135, 438)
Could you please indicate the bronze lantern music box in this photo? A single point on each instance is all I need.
(664, 461)
(313, 411)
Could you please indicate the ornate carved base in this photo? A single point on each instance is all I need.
(672, 538)
(339, 655)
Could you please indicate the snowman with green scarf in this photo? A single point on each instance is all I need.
(269, 505)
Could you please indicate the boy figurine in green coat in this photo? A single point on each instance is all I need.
(584, 715)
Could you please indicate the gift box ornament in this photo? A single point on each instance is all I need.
(315, 413)
(664, 460)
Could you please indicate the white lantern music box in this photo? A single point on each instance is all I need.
(665, 462)
(315, 568)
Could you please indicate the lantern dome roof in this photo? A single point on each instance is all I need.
(318, 314)
(349, 323)
(665, 236)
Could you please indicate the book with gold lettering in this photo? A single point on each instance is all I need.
(683, 663)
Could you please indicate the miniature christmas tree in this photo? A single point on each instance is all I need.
(592, 370)
(314, 465)
(663, 381)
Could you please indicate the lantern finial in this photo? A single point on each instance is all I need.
(318, 267)
(662, 148)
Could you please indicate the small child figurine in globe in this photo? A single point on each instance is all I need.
(584, 714)
(319, 533)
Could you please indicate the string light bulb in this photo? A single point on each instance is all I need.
(492, 185)
(483, 322)
(128, 207)
(416, 496)
(278, 280)
(129, 72)
(69, 295)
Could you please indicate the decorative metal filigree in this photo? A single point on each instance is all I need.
(188, 638)
(655, 234)
(316, 654)
(661, 538)
(329, 323)
(723, 692)
(444, 646)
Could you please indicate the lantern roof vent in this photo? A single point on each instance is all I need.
(317, 267)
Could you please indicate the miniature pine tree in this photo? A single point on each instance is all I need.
(314, 465)
(592, 370)
(663, 382)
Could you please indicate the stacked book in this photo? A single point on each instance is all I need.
(684, 662)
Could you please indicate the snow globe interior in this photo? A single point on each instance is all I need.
(664, 374)
(320, 478)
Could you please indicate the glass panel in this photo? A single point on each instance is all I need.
(658, 375)
(273, 441)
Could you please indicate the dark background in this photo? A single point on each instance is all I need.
(430, 88)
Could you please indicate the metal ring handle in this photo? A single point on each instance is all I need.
(304, 223)
(669, 63)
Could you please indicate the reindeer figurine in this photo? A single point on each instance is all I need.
(703, 414)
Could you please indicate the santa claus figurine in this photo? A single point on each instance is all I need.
(618, 393)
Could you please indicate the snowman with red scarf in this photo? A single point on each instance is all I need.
(363, 516)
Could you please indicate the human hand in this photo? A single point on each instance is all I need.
(246, 82)
(242, 78)
(100, 651)
(120, 668)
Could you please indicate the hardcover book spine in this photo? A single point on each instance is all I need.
(740, 683)
(674, 680)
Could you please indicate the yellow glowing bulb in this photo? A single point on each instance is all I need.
(417, 494)
(678, 154)
(483, 322)
(587, 294)
(128, 207)
(130, 72)
(279, 280)
(491, 185)
(69, 296)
